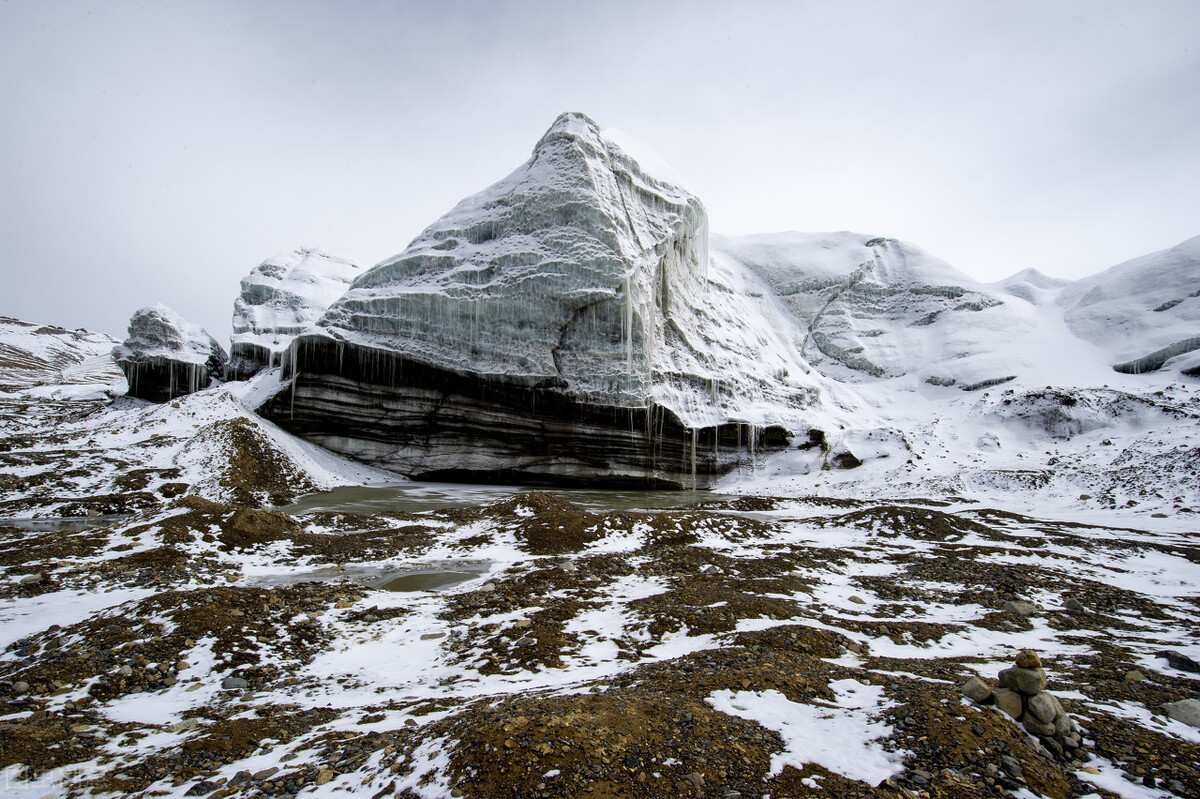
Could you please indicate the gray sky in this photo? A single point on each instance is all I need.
(156, 152)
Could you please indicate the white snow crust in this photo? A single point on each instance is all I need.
(285, 295)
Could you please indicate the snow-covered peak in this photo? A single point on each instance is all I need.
(575, 127)
(559, 273)
(793, 259)
(1032, 286)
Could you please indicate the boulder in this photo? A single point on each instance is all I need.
(1185, 710)
(1179, 661)
(1019, 608)
(1028, 659)
(977, 690)
(165, 356)
(1046, 708)
(1036, 726)
(1009, 701)
(1027, 681)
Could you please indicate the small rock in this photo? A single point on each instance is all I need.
(1066, 726)
(1009, 701)
(1134, 676)
(977, 690)
(1074, 605)
(182, 665)
(522, 623)
(1027, 681)
(125, 671)
(695, 779)
(856, 599)
(20, 687)
(1013, 768)
(1181, 662)
(1028, 659)
(432, 636)
(488, 588)
(234, 683)
(169, 681)
(187, 725)
(30, 579)
(1185, 710)
(201, 788)
(231, 578)
(1019, 608)
(324, 775)
(342, 605)
(265, 774)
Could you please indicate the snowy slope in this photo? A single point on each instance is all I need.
(1140, 307)
(870, 307)
(40, 355)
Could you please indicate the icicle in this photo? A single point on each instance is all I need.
(628, 326)
(753, 444)
(694, 458)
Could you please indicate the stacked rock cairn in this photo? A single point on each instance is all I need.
(1022, 695)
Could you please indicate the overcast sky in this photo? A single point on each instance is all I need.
(156, 152)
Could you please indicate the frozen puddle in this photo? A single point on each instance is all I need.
(429, 577)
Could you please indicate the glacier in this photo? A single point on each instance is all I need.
(567, 323)
(166, 356)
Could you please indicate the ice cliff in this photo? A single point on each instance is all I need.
(281, 298)
(565, 323)
(165, 356)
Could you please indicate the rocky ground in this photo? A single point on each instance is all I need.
(167, 630)
(753, 647)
